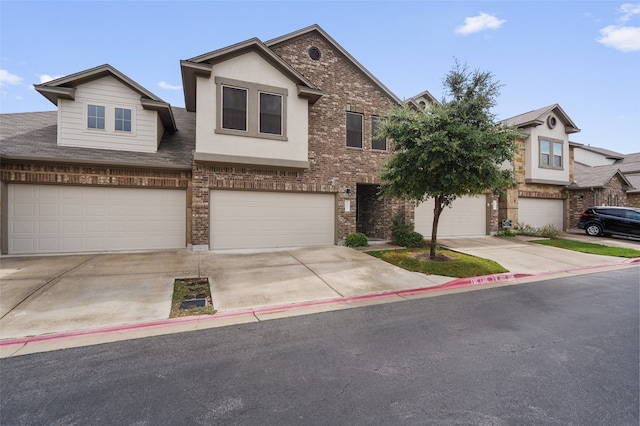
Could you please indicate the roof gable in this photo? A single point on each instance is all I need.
(596, 177)
(316, 28)
(539, 116)
(202, 66)
(65, 88)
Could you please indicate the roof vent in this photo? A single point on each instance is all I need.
(314, 53)
(551, 121)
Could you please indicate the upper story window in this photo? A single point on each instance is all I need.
(234, 108)
(251, 109)
(551, 154)
(380, 144)
(123, 120)
(270, 113)
(354, 130)
(95, 116)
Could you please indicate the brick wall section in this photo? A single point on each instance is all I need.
(581, 199)
(37, 173)
(333, 166)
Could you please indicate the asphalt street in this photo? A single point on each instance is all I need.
(562, 351)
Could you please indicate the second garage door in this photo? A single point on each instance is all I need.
(251, 219)
(538, 212)
(466, 217)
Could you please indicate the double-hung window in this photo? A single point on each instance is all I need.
(95, 116)
(550, 154)
(354, 130)
(251, 109)
(123, 120)
(380, 144)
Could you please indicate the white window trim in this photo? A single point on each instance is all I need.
(109, 119)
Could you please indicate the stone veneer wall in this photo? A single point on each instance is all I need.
(508, 202)
(334, 168)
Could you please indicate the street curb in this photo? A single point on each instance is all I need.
(454, 284)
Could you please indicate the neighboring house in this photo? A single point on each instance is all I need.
(603, 177)
(543, 168)
(107, 171)
(596, 186)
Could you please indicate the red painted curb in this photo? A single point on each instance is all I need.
(454, 284)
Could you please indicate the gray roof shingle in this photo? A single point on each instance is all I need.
(33, 136)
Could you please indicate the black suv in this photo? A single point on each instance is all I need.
(607, 220)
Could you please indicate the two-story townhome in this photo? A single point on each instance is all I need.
(285, 153)
(274, 149)
(107, 171)
(543, 169)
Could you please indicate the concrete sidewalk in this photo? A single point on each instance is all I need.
(51, 302)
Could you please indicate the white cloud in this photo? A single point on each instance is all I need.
(7, 78)
(628, 10)
(483, 21)
(46, 77)
(168, 86)
(626, 39)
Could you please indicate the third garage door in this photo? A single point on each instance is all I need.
(539, 213)
(252, 219)
(466, 217)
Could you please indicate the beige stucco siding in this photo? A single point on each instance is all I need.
(533, 171)
(110, 93)
(251, 68)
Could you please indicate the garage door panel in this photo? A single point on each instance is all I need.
(539, 213)
(54, 218)
(250, 219)
(466, 217)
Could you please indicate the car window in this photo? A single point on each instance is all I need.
(614, 212)
(633, 215)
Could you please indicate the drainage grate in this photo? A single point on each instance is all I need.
(193, 303)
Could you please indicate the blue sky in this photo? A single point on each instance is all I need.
(583, 55)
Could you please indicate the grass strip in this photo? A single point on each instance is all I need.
(459, 265)
(190, 288)
(590, 248)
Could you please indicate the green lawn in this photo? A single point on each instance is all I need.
(459, 266)
(590, 248)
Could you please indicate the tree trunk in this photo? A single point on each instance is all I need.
(437, 209)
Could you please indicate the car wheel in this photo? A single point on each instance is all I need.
(593, 229)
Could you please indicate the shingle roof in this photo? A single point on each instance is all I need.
(537, 117)
(606, 152)
(630, 163)
(33, 136)
(594, 177)
(634, 179)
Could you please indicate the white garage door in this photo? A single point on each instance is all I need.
(249, 219)
(466, 217)
(59, 219)
(538, 212)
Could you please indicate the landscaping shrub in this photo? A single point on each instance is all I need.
(412, 239)
(356, 239)
(549, 231)
(400, 228)
(506, 233)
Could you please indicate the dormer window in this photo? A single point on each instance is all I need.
(123, 120)
(95, 117)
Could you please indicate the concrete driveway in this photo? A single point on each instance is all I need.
(54, 294)
(57, 294)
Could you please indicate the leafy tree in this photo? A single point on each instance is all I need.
(450, 149)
